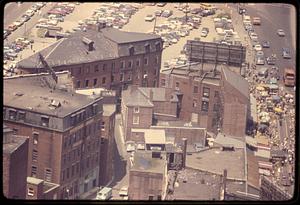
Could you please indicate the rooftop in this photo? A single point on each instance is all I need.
(33, 180)
(154, 136)
(144, 162)
(13, 143)
(197, 185)
(233, 161)
(253, 174)
(109, 109)
(105, 47)
(133, 97)
(31, 92)
(223, 139)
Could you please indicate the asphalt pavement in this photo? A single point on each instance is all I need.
(13, 11)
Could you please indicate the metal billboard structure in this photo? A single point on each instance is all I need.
(215, 53)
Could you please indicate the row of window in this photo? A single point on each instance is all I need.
(21, 116)
(147, 48)
(123, 65)
(47, 173)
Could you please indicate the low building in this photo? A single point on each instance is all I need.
(210, 95)
(64, 130)
(40, 189)
(15, 162)
(142, 107)
(147, 177)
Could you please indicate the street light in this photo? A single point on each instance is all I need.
(68, 191)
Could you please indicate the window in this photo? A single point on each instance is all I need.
(12, 114)
(154, 83)
(73, 170)
(145, 61)
(78, 84)
(94, 183)
(33, 171)
(129, 64)
(163, 82)
(112, 65)
(122, 64)
(68, 173)
(112, 78)
(35, 138)
(79, 70)
(4, 112)
(87, 69)
(216, 107)
(194, 103)
(48, 174)
(103, 80)
(45, 121)
(151, 197)
(155, 71)
(96, 69)
(30, 191)
(121, 77)
(136, 120)
(136, 110)
(177, 86)
(156, 60)
(216, 94)
(34, 155)
(205, 92)
(103, 126)
(104, 66)
(86, 83)
(131, 51)
(147, 48)
(129, 77)
(77, 168)
(63, 175)
(95, 81)
(204, 106)
(21, 115)
(195, 89)
(138, 62)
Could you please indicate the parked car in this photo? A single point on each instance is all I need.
(167, 13)
(204, 33)
(257, 47)
(286, 53)
(271, 60)
(266, 44)
(280, 33)
(30, 12)
(260, 60)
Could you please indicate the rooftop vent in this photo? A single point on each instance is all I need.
(19, 94)
(55, 103)
(89, 43)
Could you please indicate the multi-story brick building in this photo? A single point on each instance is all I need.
(103, 57)
(210, 95)
(107, 132)
(142, 107)
(64, 130)
(15, 159)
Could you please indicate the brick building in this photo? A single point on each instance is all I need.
(107, 132)
(147, 177)
(210, 95)
(103, 57)
(64, 130)
(141, 107)
(15, 159)
(40, 189)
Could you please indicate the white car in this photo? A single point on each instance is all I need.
(149, 17)
(253, 36)
(280, 33)
(204, 33)
(257, 47)
(123, 191)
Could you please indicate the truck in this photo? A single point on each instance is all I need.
(289, 77)
(104, 193)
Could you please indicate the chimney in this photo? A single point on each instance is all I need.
(101, 25)
(184, 152)
(151, 95)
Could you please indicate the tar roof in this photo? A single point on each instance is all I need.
(197, 185)
(144, 162)
(32, 93)
(105, 47)
(233, 161)
(119, 36)
(237, 81)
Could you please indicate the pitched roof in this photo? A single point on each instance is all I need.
(159, 94)
(135, 98)
(119, 36)
(237, 81)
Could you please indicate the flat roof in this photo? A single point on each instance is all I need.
(31, 92)
(233, 161)
(33, 180)
(109, 109)
(93, 91)
(193, 184)
(253, 174)
(144, 162)
(224, 139)
(14, 143)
